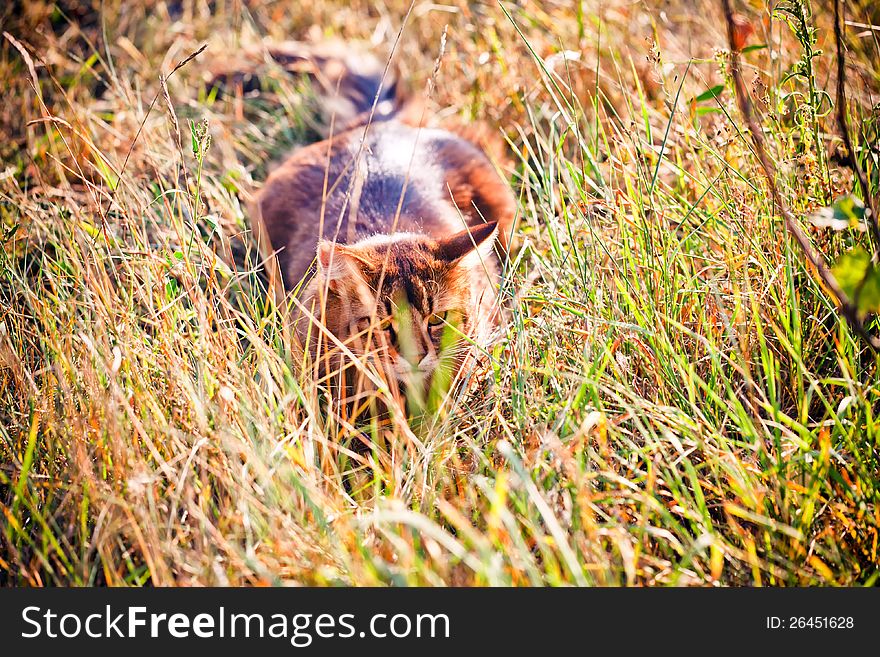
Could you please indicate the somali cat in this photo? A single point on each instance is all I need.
(390, 232)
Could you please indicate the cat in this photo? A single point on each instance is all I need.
(390, 232)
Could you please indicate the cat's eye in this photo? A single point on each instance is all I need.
(436, 319)
(364, 323)
(387, 326)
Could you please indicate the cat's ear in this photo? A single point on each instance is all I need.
(336, 264)
(472, 243)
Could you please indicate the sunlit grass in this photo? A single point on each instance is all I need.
(675, 400)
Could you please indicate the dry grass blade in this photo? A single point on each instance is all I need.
(682, 394)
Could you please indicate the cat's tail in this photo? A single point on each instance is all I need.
(351, 86)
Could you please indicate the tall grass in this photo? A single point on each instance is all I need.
(675, 400)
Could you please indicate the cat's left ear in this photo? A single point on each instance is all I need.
(470, 244)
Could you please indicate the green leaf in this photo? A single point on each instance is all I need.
(757, 46)
(172, 289)
(9, 233)
(106, 172)
(195, 138)
(859, 279)
(709, 94)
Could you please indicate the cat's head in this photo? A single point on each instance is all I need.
(406, 300)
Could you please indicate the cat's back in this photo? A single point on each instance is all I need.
(400, 180)
(390, 177)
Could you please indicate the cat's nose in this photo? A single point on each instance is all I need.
(427, 364)
(415, 350)
(415, 357)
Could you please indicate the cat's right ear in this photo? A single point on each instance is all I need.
(470, 244)
(335, 265)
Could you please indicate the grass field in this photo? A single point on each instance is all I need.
(676, 400)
